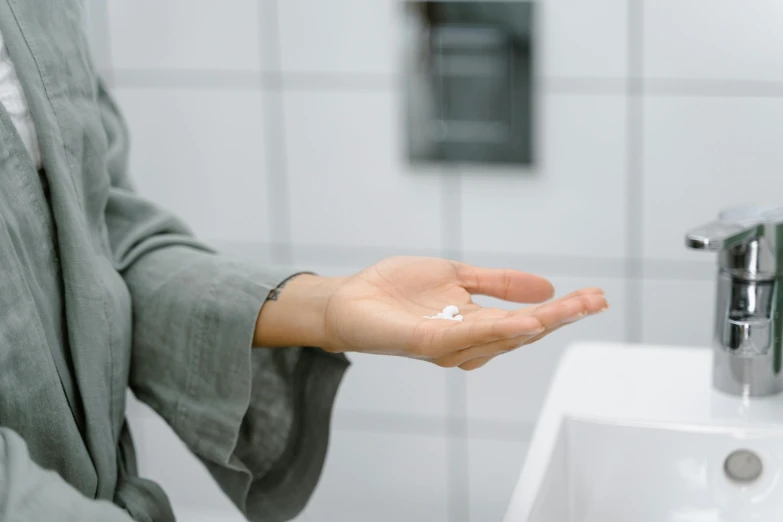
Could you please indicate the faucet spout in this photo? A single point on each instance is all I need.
(719, 235)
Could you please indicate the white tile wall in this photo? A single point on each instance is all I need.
(383, 477)
(678, 312)
(340, 36)
(512, 388)
(200, 153)
(348, 182)
(393, 385)
(702, 154)
(715, 40)
(494, 467)
(582, 39)
(569, 45)
(185, 34)
(581, 173)
(97, 33)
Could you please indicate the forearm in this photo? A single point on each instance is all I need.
(258, 419)
(295, 312)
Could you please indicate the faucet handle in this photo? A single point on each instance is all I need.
(721, 235)
(734, 226)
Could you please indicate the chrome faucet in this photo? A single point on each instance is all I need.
(747, 334)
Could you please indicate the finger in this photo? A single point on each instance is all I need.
(472, 335)
(478, 362)
(506, 284)
(576, 293)
(567, 309)
(593, 290)
(451, 337)
(552, 316)
(485, 351)
(475, 364)
(545, 333)
(553, 330)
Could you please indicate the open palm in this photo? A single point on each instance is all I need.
(382, 310)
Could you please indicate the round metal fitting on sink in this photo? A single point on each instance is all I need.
(743, 466)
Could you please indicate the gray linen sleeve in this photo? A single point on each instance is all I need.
(258, 418)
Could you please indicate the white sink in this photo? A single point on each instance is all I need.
(637, 434)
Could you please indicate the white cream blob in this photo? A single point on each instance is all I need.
(450, 312)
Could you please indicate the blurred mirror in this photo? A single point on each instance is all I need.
(468, 82)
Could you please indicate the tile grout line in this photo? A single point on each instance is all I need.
(451, 212)
(319, 82)
(458, 485)
(349, 256)
(361, 82)
(278, 194)
(634, 172)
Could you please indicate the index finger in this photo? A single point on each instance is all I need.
(503, 283)
(450, 337)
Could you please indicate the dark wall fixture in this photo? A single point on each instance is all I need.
(469, 82)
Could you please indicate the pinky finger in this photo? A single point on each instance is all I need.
(485, 351)
(476, 363)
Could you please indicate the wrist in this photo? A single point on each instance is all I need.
(294, 314)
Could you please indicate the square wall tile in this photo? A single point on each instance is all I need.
(713, 40)
(348, 181)
(339, 36)
(582, 39)
(382, 477)
(572, 203)
(356, 36)
(512, 387)
(494, 468)
(97, 31)
(164, 458)
(701, 155)
(386, 384)
(200, 154)
(679, 313)
(185, 34)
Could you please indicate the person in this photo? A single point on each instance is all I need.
(101, 290)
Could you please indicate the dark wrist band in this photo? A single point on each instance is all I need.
(275, 292)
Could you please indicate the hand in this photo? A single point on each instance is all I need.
(381, 310)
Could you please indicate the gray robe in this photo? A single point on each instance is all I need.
(101, 290)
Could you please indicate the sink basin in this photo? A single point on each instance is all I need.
(602, 472)
(636, 433)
